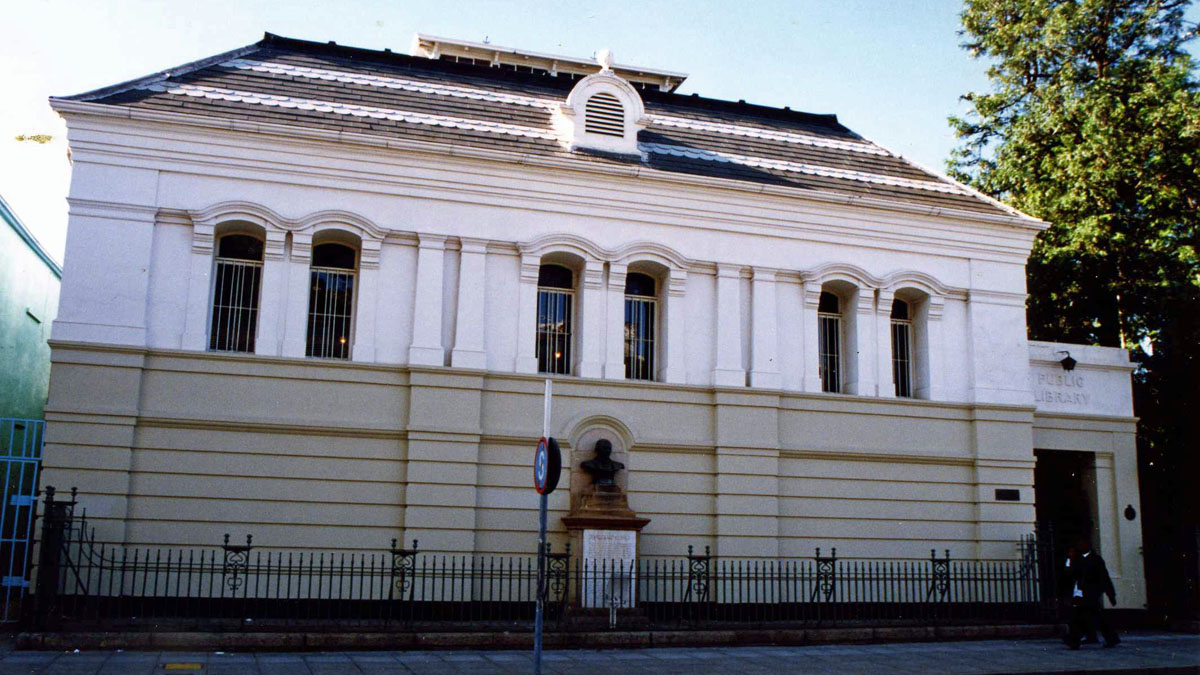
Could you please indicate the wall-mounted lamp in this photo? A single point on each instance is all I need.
(1068, 363)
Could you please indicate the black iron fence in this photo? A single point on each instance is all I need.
(83, 583)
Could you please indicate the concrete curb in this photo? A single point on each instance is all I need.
(300, 641)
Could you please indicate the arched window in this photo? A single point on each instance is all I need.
(641, 309)
(829, 342)
(902, 362)
(331, 301)
(604, 115)
(237, 276)
(556, 300)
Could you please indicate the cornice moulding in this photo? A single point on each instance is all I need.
(102, 209)
(101, 110)
(770, 215)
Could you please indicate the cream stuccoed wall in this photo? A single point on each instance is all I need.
(425, 432)
(300, 454)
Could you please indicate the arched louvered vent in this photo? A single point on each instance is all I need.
(604, 115)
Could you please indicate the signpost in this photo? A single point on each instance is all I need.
(547, 466)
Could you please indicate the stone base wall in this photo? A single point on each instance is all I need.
(177, 448)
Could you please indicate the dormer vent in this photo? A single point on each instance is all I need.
(605, 115)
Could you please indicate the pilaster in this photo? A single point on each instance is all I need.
(931, 350)
(764, 336)
(674, 371)
(728, 371)
(526, 361)
(200, 265)
(861, 365)
(272, 295)
(591, 322)
(427, 349)
(747, 474)
(295, 339)
(366, 302)
(614, 341)
(469, 330)
(1002, 440)
(442, 468)
(883, 344)
(810, 327)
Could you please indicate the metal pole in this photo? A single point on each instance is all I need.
(541, 552)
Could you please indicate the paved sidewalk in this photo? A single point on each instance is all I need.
(1143, 652)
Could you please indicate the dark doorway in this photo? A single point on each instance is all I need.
(1064, 492)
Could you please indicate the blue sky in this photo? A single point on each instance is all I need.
(890, 70)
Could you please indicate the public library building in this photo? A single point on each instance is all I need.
(313, 292)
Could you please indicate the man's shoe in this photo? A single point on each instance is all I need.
(1112, 643)
(1073, 646)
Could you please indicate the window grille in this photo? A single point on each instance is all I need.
(902, 349)
(237, 277)
(604, 115)
(556, 299)
(829, 347)
(331, 302)
(554, 331)
(640, 327)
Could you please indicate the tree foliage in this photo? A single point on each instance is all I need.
(1092, 124)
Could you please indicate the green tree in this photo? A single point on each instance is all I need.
(1092, 124)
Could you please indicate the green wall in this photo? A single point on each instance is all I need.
(29, 284)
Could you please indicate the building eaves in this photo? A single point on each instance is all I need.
(573, 161)
(6, 213)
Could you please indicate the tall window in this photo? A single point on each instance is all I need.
(556, 299)
(640, 310)
(331, 301)
(236, 280)
(829, 342)
(902, 370)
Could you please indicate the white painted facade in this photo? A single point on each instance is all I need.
(450, 239)
(742, 270)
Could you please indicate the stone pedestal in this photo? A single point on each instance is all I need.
(606, 530)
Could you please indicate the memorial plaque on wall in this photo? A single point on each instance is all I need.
(609, 559)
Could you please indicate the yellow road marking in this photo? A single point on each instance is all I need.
(183, 666)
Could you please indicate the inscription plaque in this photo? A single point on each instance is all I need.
(609, 544)
(609, 560)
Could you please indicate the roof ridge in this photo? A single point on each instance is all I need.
(331, 48)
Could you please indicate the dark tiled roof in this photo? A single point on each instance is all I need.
(285, 81)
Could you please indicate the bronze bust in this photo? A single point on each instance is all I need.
(603, 468)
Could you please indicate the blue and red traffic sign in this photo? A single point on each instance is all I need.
(547, 465)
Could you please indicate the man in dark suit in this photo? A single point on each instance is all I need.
(1091, 584)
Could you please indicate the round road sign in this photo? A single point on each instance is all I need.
(547, 465)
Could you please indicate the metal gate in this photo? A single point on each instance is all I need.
(20, 458)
